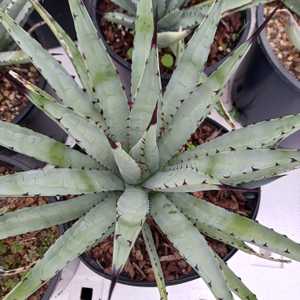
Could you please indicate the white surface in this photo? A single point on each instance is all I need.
(280, 209)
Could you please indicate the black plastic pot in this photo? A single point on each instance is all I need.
(39, 122)
(253, 203)
(20, 163)
(30, 116)
(42, 84)
(263, 89)
(60, 11)
(51, 287)
(93, 4)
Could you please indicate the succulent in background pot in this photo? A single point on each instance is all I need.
(18, 253)
(267, 89)
(14, 105)
(115, 21)
(132, 168)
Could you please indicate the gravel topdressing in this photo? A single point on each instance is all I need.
(12, 99)
(277, 35)
(120, 39)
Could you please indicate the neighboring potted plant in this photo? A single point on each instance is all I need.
(267, 85)
(176, 21)
(18, 254)
(132, 169)
(14, 106)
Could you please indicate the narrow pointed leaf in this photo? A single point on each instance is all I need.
(218, 79)
(224, 113)
(159, 8)
(194, 58)
(128, 5)
(180, 181)
(194, 15)
(168, 38)
(128, 167)
(74, 242)
(227, 239)
(214, 233)
(89, 137)
(151, 149)
(66, 42)
(13, 58)
(41, 147)
(178, 49)
(155, 262)
(293, 5)
(37, 218)
(4, 4)
(170, 21)
(240, 167)
(52, 182)
(173, 4)
(102, 73)
(14, 7)
(19, 10)
(146, 152)
(66, 88)
(144, 28)
(185, 121)
(146, 99)
(293, 31)
(87, 134)
(132, 208)
(239, 227)
(211, 86)
(23, 12)
(265, 134)
(186, 238)
(259, 183)
(235, 283)
(120, 18)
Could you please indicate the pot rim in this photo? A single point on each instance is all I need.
(90, 4)
(271, 56)
(96, 268)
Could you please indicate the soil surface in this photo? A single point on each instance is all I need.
(12, 99)
(120, 39)
(174, 267)
(22, 251)
(277, 35)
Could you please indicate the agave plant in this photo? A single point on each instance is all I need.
(131, 168)
(293, 28)
(19, 10)
(175, 20)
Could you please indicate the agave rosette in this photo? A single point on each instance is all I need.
(175, 18)
(130, 167)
